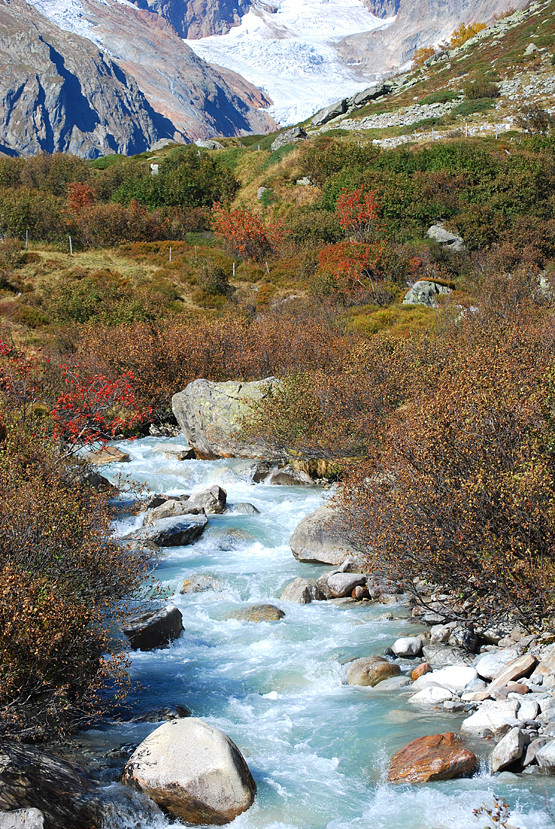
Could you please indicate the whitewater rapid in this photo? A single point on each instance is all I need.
(317, 748)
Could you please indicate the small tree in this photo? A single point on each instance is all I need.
(95, 409)
(354, 261)
(246, 234)
(464, 33)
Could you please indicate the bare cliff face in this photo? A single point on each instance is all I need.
(198, 18)
(59, 93)
(420, 23)
(200, 100)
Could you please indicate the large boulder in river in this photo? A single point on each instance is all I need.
(32, 779)
(437, 757)
(171, 532)
(194, 771)
(211, 416)
(156, 629)
(319, 538)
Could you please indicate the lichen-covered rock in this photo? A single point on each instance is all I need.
(149, 630)
(328, 113)
(22, 819)
(194, 771)
(437, 757)
(211, 417)
(445, 238)
(289, 136)
(425, 292)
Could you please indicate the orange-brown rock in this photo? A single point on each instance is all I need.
(437, 757)
(420, 670)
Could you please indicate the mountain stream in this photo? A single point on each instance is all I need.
(317, 748)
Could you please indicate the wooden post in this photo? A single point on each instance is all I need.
(195, 253)
(259, 148)
(234, 270)
(70, 246)
(27, 239)
(170, 253)
(267, 268)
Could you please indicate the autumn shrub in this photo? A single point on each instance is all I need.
(106, 225)
(212, 278)
(535, 119)
(480, 86)
(63, 585)
(165, 357)
(341, 411)
(464, 33)
(422, 54)
(246, 234)
(461, 491)
(41, 214)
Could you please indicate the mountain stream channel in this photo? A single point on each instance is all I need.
(318, 748)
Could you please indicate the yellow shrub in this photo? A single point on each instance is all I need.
(464, 33)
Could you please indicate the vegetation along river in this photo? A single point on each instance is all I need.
(317, 747)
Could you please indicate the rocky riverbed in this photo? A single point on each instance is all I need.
(278, 656)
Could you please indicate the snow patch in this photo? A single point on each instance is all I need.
(287, 49)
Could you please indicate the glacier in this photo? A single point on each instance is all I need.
(287, 49)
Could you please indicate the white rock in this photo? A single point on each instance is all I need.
(528, 709)
(433, 695)
(490, 664)
(408, 646)
(491, 717)
(194, 771)
(454, 677)
(545, 757)
(508, 749)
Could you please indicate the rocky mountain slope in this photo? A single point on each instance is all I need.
(422, 23)
(198, 18)
(62, 92)
(59, 93)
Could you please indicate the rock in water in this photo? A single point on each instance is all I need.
(107, 454)
(194, 771)
(211, 415)
(301, 591)
(438, 757)
(31, 780)
(320, 538)
(257, 613)
(371, 671)
(171, 532)
(154, 630)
